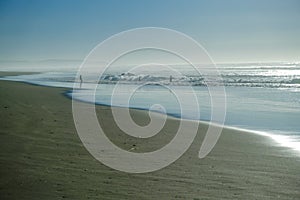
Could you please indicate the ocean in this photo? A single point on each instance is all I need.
(263, 98)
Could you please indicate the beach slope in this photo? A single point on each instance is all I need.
(42, 157)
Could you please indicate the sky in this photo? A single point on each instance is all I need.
(231, 31)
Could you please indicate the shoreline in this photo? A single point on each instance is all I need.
(12, 73)
(280, 140)
(41, 154)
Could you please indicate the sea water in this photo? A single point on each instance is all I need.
(262, 98)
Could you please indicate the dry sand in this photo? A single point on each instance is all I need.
(42, 157)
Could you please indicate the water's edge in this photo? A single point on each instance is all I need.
(279, 140)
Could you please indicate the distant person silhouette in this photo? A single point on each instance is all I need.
(171, 78)
(81, 80)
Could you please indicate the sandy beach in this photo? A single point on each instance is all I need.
(42, 157)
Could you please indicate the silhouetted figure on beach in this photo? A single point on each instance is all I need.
(171, 78)
(81, 80)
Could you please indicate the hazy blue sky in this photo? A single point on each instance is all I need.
(231, 31)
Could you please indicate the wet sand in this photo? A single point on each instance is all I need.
(42, 157)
